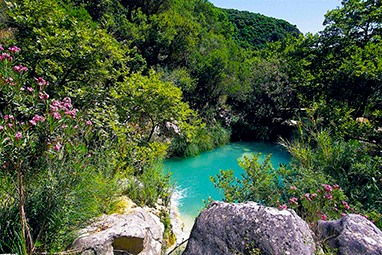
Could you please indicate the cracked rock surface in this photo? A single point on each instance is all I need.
(137, 232)
(351, 235)
(225, 228)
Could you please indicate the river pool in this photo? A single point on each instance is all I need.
(192, 175)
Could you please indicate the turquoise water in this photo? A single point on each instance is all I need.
(192, 175)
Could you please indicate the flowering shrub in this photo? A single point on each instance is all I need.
(326, 203)
(38, 135)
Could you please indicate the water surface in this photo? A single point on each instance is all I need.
(192, 175)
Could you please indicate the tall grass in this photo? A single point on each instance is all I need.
(57, 205)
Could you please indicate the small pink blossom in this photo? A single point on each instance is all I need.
(30, 89)
(18, 135)
(57, 146)
(56, 103)
(33, 122)
(1, 127)
(293, 187)
(41, 82)
(293, 200)
(324, 217)
(327, 187)
(14, 49)
(282, 207)
(20, 68)
(67, 100)
(343, 214)
(1, 47)
(56, 115)
(43, 95)
(38, 118)
(53, 108)
(88, 123)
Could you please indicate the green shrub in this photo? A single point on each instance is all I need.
(149, 188)
(205, 139)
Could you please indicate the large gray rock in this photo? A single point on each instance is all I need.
(352, 234)
(137, 232)
(225, 228)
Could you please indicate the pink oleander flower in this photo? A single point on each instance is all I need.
(314, 195)
(33, 122)
(57, 146)
(293, 187)
(5, 55)
(10, 124)
(1, 127)
(18, 135)
(56, 103)
(282, 207)
(327, 187)
(30, 89)
(38, 118)
(40, 81)
(14, 49)
(343, 214)
(1, 47)
(324, 217)
(329, 197)
(68, 105)
(293, 200)
(88, 123)
(22, 89)
(20, 68)
(53, 108)
(56, 115)
(67, 100)
(43, 96)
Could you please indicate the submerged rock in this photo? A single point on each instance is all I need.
(137, 232)
(352, 234)
(225, 228)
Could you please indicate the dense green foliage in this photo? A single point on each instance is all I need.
(254, 31)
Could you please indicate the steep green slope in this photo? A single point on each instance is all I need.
(254, 30)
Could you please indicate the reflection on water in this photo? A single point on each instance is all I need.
(192, 175)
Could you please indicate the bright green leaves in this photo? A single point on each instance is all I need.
(150, 103)
(258, 181)
(356, 22)
(64, 44)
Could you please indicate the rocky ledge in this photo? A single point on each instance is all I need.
(250, 228)
(227, 229)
